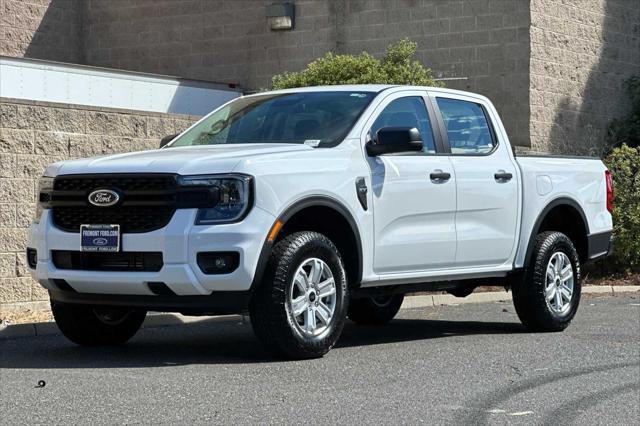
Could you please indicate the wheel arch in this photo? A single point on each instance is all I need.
(563, 215)
(337, 224)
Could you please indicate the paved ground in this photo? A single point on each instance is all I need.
(460, 364)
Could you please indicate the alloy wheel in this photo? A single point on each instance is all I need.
(559, 282)
(312, 297)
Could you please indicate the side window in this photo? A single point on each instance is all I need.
(407, 112)
(467, 126)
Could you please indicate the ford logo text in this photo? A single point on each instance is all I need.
(104, 198)
(100, 241)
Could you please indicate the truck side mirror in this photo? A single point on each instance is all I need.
(167, 139)
(395, 139)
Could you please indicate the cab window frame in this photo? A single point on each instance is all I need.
(438, 145)
(445, 134)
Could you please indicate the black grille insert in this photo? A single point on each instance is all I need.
(129, 182)
(133, 261)
(147, 201)
(130, 219)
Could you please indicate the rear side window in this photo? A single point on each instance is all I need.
(407, 112)
(467, 127)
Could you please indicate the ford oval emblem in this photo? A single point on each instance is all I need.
(104, 198)
(100, 241)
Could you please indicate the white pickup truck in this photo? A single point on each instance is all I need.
(308, 206)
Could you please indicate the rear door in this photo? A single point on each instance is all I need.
(486, 181)
(414, 194)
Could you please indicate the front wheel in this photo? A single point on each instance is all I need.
(299, 309)
(96, 326)
(548, 295)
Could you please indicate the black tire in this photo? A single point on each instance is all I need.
(375, 310)
(271, 314)
(529, 291)
(96, 326)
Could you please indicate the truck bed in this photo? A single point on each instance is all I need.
(546, 178)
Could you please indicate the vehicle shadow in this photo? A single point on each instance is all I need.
(406, 330)
(211, 342)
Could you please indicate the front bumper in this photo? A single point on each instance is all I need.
(179, 242)
(216, 303)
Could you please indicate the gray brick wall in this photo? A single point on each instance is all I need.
(35, 134)
(486, 41)
(44, 29)
(554, 68)
(219, 40)
(581, 54)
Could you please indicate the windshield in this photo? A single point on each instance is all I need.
(311, 118)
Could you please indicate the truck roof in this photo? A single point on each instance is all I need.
(374, 88)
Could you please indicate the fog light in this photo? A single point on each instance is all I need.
(32, 258)
(218, 262)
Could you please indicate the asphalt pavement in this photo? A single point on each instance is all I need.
(467, 364)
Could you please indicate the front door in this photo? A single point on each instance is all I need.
(414, 197)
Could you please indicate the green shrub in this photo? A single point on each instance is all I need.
(398, 66)
(624, 163)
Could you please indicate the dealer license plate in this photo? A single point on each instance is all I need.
(100, 238)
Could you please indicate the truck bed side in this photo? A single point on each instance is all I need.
(575, 183)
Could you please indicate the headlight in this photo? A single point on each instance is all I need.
(45, 186)
(234, 197)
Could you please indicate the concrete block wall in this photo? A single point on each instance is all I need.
(35, 134)
(554, 68)
(582, 51)
(219, 40)
(44, 29)
(484, 41)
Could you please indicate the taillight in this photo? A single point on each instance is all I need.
(609, 179)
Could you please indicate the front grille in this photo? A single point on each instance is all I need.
(131, 219)
(123, 183)
(147, 201)
(114, 262)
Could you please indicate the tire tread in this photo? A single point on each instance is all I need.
(269, 318)
(528, 290)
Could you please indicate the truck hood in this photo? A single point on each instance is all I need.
(181, 160)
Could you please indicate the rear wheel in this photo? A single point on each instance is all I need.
(547, 297)
(375, 310)
(95, 325)
(300, 307)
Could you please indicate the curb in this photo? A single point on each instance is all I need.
(411, 302)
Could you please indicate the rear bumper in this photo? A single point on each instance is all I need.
(600, 245)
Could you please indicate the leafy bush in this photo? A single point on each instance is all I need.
(624, 163)
(627, 131)
(398, 66)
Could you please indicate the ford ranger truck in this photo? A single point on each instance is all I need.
(309, 206)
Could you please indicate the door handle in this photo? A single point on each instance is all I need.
(501, 176)
(438, 176)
